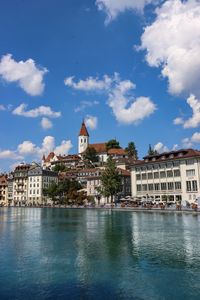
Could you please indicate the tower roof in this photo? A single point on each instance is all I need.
(83, 130)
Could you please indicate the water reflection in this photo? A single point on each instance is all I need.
(87, 254)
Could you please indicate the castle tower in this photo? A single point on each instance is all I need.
(83, 139)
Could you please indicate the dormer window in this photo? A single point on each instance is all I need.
(180, 154)
(171, 156)
(153, 159)
(146, 160)
(163, 157)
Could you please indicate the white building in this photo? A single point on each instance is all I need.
(172, 176)
(39, 180)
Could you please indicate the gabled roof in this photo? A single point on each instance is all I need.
(116, 151)
(83, 130)
(100, 147)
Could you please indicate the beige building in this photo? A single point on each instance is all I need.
(169, 177)
(39, 180)
(20, 184)
(3, 190)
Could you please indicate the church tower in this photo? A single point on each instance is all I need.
(83, 139)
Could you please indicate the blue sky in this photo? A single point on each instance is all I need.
(131, 68)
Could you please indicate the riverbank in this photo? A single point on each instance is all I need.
(122, 209)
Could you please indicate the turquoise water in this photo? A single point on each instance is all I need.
(98, 254)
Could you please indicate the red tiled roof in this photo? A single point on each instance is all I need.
(124, 172)
(100, 147)
(50, 156)
(115, 151)
(169, 156)
(3, 180)
(83, 130)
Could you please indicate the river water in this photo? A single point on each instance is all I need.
(98, 254)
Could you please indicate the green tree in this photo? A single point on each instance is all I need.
(112, 144)
(59, 168)
(91, 155)
(131, 150)
(111, 179)
(51, 191)
(151, 151)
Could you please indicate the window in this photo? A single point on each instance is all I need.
(144, 187)
(169, 174)
(194, 185)
(163, 186)
(188, 186)
(189, 161)
(170, 185)
(176, 163)
(177, 173)
(138, 177)
(162, 174)
(139, 187)
(157, 186)
(156, 175)
(190, 172)
(150, 175)
(150, 187)
(177, 185)
(144, 176)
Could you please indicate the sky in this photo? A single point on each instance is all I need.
(129, 68)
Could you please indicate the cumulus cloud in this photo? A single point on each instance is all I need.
(46, 123)
(63, 148)
(28, 76)
(85, 104)
(189, 142)
(29, 149)
(89, 84)
(172, 42)
(91, 122)
(113, 8)
(125, 107)
(194, 120)
(9, 154)
(178, 121)
(160, 147)
(36, 112)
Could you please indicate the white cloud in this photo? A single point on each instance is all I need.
(172, 42)
(89, 84)
(46, 123)
(196, 137)
(36, 112)
(63, 148)
(126, 109)
(85, 104)
(48, 145)
(178, 121)
(28, 76)
(91, 122)
(193, 121)
(27, 148)
(189, 142)
(9, 154)
(113, 8)
(160, 148)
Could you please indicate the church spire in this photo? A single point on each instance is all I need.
(83, 130)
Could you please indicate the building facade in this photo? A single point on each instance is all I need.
(20, 184)
(39, 180)
(3, 190)
(168, 177)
